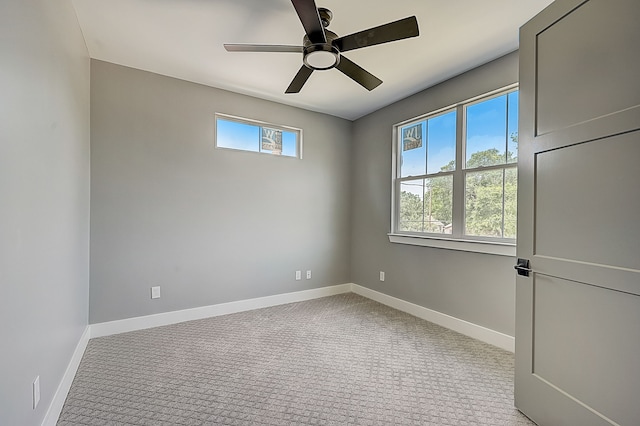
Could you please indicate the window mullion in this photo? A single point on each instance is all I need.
(426, 171)
(458, 177)
(504, 181)
(423, 201)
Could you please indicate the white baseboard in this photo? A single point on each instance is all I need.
(481, 333)
(167, 318)
(55, 408)
(478, 332)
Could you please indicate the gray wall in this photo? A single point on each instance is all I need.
(44, 200)
(207, 225)
(478, 288)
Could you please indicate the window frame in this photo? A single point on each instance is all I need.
(259, 124)
(457, 240)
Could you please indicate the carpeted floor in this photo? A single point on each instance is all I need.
(340, 360)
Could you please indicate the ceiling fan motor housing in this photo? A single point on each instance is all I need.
(325, 16)
(321, 56)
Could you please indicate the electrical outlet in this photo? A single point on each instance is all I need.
(36, 392)
(381, 275)
(308, 275)
(298, 275)
(155, 292)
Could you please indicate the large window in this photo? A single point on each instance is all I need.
(255, 136)
(455, 174)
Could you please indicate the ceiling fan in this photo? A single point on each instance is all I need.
(322, 49)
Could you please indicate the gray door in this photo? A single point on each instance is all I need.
(578, 311)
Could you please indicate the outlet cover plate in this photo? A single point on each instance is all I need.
(155, 292)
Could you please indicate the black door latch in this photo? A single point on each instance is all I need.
(523, 267)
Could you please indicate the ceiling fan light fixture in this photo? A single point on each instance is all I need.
(321, 56)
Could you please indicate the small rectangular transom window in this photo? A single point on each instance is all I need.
(256, 136)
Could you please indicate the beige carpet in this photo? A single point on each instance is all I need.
(340, 360)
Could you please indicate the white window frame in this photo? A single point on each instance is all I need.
(457, 240)
(258, 123)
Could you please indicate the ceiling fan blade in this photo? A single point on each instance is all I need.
(398, 30)
(299, 80)
(310, 18)
(262, 48)
(358, 74)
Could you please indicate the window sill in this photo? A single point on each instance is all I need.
(486, 247)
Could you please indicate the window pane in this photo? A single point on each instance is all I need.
(484, 203)
(412, 206)
(231, 134)
(438, 204)
(512, 119)
(486, 133)
(510, 202)
(441, 143)
(414, 149)
(271, 141)
(278, 142)
(289, 144)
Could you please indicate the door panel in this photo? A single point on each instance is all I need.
(577, 190)
(571, 57)
(578, 313)
(583, 345)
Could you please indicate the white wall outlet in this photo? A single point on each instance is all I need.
(308, 275)
(298, 275)
(381, 275)
(36, 392)
(155, 292)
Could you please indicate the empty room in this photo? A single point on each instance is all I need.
(275, 212)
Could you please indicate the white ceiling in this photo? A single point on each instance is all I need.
(183, 39)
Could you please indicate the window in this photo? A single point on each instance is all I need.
(427, 162)
(255, 136)
(455, 174)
